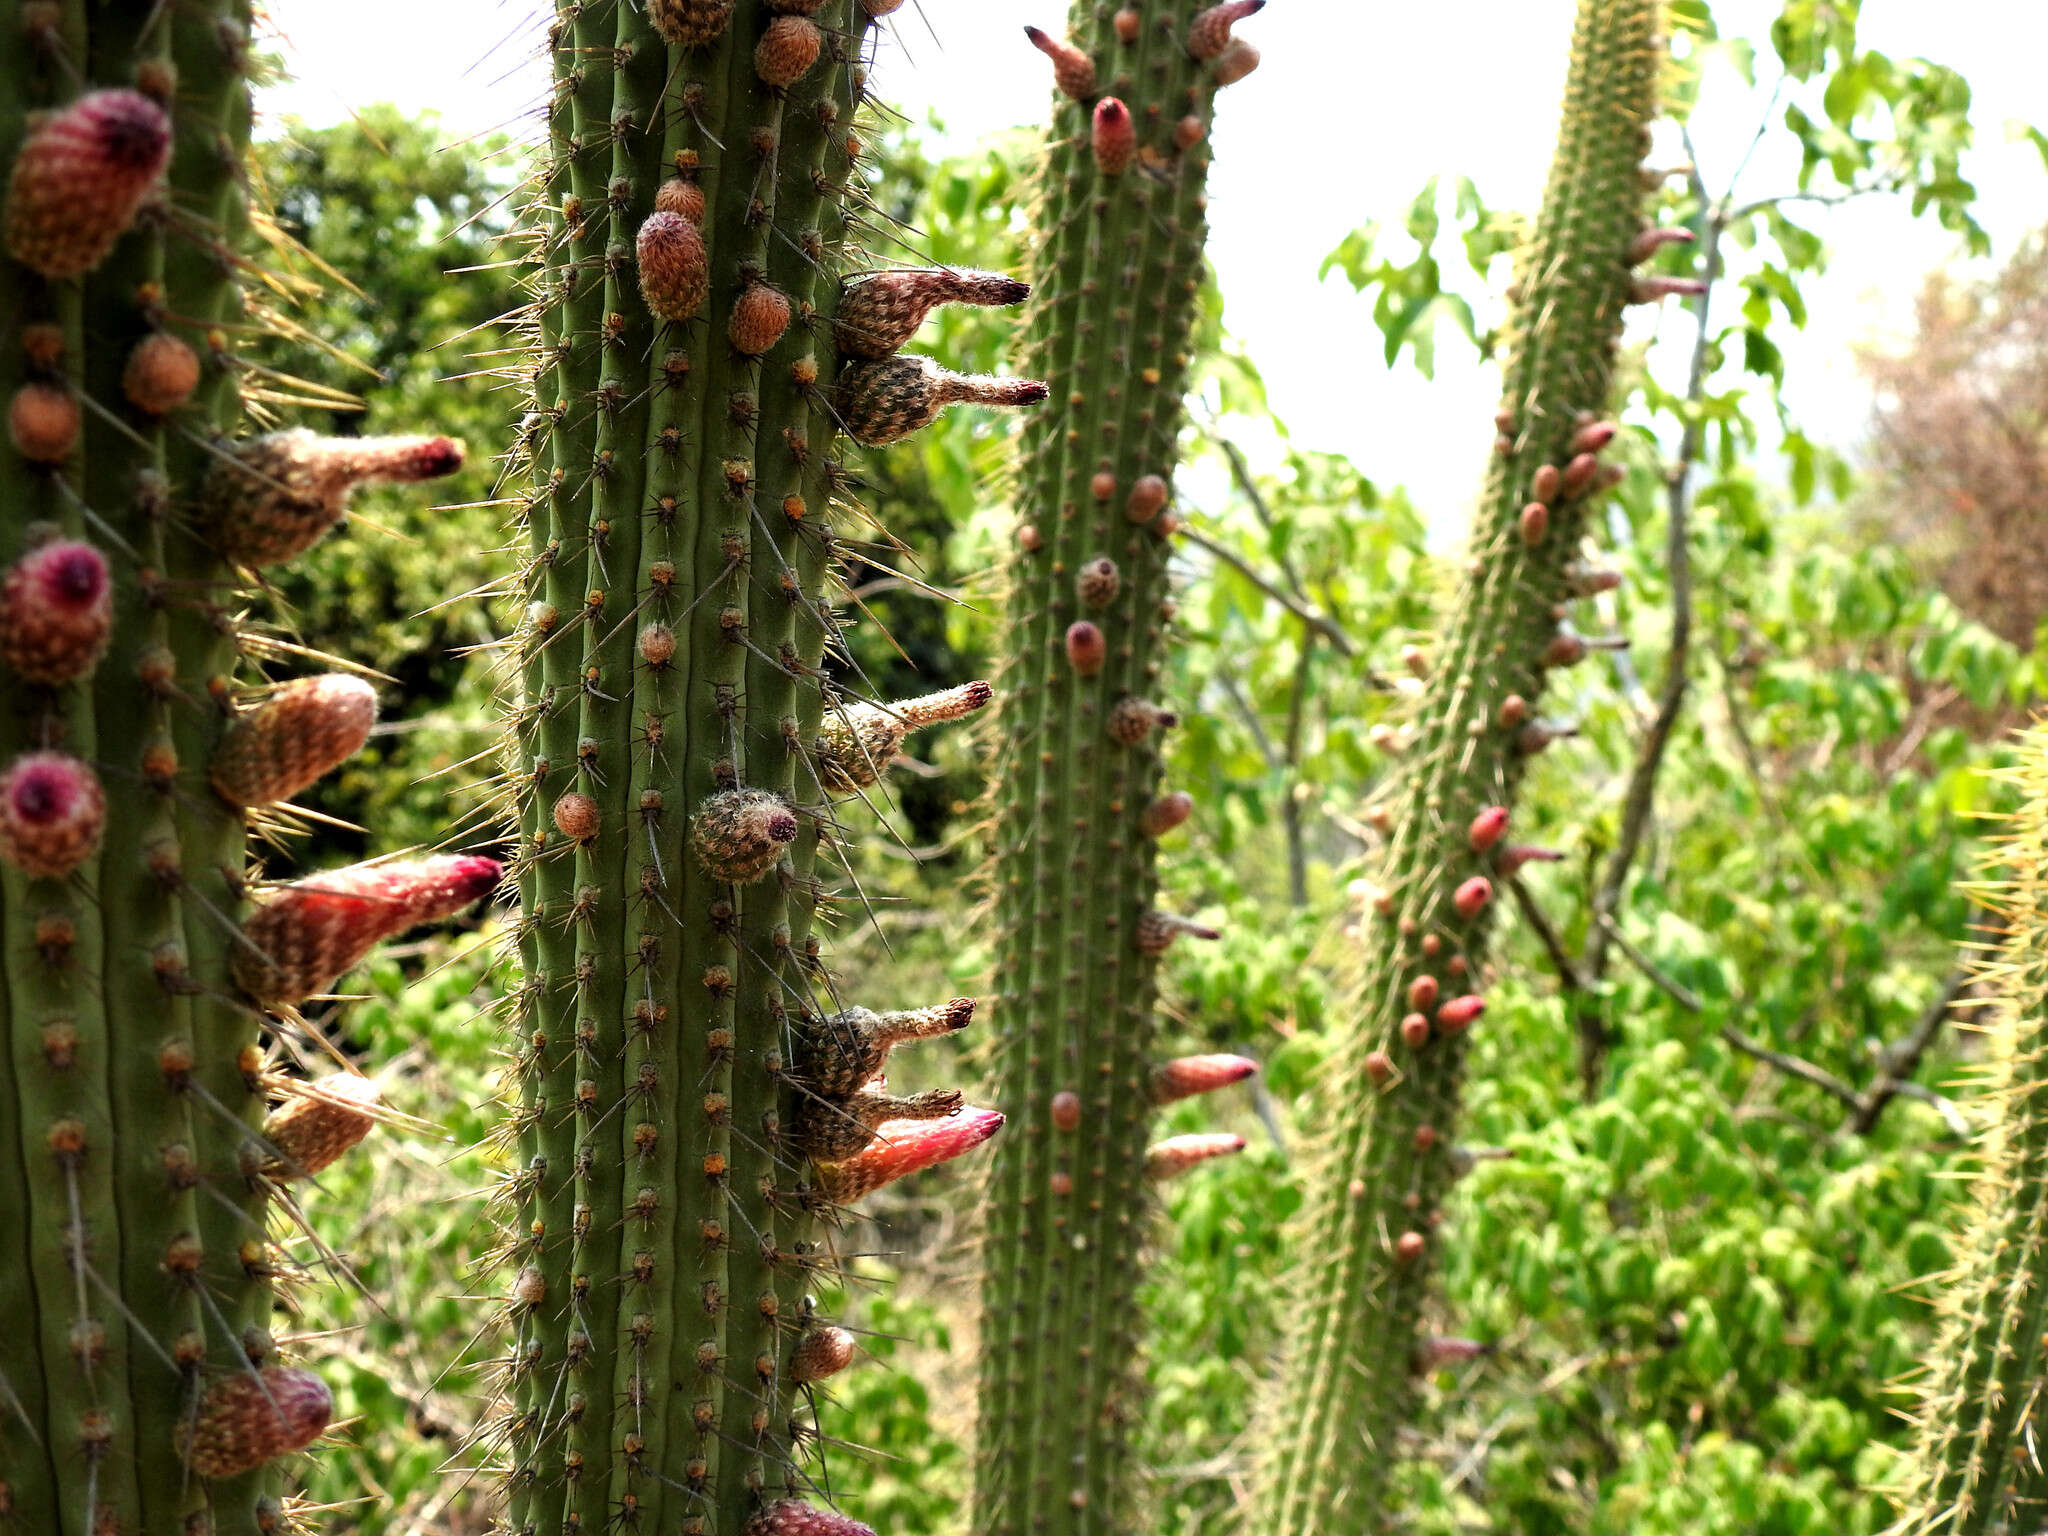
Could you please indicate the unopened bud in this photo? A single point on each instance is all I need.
(1177, 1154)
(1457, 1014)
(161, 374)
(1544, 483)
(1157, 931)
(1578, 474)
(1209, 32)
(52, 814)
(821, 1353)
(1072, 70)
(80, 176)
(675, 268)
(1166, 813)
(1516, 855)
(1535, 523)
(1132, 720)
(1487, 827)
(1408, 1247)
(1414, 1030)
(56, 612)
(1147, 498)
(1379, 1066)
(1114, 137)
(1593, 437)
(1648, 290)
(739, 834)
(1470, 899)
(248, 1418)
(1087, 650)
(1584, 580)
(1186, 1076)
(1651, 241)
(43, 421)
(1234, 63)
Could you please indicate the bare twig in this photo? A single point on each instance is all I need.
(1321, 622)
(1669, 985)
(1290, 799)
(1793, 1066)
(1898, 1063)
(1535, 917)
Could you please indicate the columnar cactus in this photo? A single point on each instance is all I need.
(1079, 803)
(1370, 1225)
(690, 1097)
(1976, 1466)
(141, 1390)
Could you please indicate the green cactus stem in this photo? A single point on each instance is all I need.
(1370, 1224)
(140, 1388)
(680, 1058)
(1976, 1465)
(1117, 268)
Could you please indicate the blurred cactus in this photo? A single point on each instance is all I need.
(141, 1389)
(1346, 1388)
(680, 1060)
(1118, 265)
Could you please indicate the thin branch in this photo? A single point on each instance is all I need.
(1241, 473)
(1793, 1066)
(1535, 917)
(1322, 623)
(1669, 985)
(1898, 1063)
(1290, 802)
(1227, 680)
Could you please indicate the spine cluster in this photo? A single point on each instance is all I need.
(1372, 1222)
(1976, 1466)
(692, 1103)
(149, 1145)
(1079, 803)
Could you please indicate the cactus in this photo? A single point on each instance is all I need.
(1078, 802)
(140, 1388)
(1370, 1222)
(1976, 1465)
(681, 1058)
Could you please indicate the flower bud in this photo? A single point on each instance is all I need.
(1166, 813)
(1072, 70)
(1456, 1015)
(1177, 1154)
(1471, 898)
(1115, 137)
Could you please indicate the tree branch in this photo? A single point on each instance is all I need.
(1898, 1063)
(1322, 623)
(1536, 918)
(1793, 1066)
(1669, 985)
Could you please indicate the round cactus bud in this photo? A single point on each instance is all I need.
(906, 1147)
(681, 196)
(1066, 1110)
(793, 1517)
(43, 422)
(52, 812)
(1422, 993)
(739, 834)
(1535, 523)
(1425, 1138)
(275, 497)
(576, 816)
(1578, 474)
(1098, 582)
(312, 1129)
(1543, 485)
(1414, 1031)
(1177, 1154)
(80, 177)
(675, 269)
(1408, 1247)
(690, 23)
(760, 314)
(1129, 23)
(885, 400)
(299, 732)
(1166, 813)
(248, 1418)
(1487, 828)
(1157, 931)
(1457, 1015)
(1114, 137)
(1187, 133)
(1186, 1076)
(820, 1353)
(1514, 709)
(1103, 485)
(1148, 496)
(786, 53)
(1470, 899)
(1209, 32)
(1072, 70)
(160, 375)
(857, 742)
(1087, 650)
(1234, 63)
(1593, 436)
(1061, 1183)
(879, 313)
(307, 934)
(1132, 720)
(56, 612)
(1379, 1067)
(1029, 539)
(657, 645)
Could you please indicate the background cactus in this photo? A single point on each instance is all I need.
(1391, 1101)
(142, 1389)
(1079, 804)
(1976, 1465)
(681, 1050)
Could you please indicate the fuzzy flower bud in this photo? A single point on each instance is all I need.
(690, 23)
(856, 742)
(906, 1147)
(160, 375)
(1115, 137)
(879, 313)
(79, 179)
(831, 1133)
(1072, 70)
(1177, 1154)
(1651, 241)
(681, 196)
(1132, 720)
(315, 1126)
(1098, 582)
(1234, 63)
(887, 399)
(307, 934)
(1087, 650)
(739, 834)
(52, 813)
(1648, 290)
(56, 612)
(1157, 931)
(675, 269)
(820, 1353)
(838, 1055)
(1487, 827)
(277, 496)
(1470, 899)
(1166, 813)
(43, 421)
(1186, 1076)
(248, 1418)
(793, 1517)
(786, 53)
(1209, 32)
(1516, 855)
(1148, 496)
(1457, 1014)
(760, 314)
(301, 731)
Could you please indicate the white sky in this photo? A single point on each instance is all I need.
(1355, 106)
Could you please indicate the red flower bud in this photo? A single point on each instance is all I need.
(1379, 1066)
(1414, 1031)
(1487, 828)
(1515, 856)
(56, 612)
(1087, 650)
(1115, 137)
(1072, 70)
(1457, 1014)
(1422, 993)
(1177, 1154)
(1470, 899)
(1186, 1076)
(1166, 813)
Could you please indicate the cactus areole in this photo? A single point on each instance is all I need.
(141, 1390)
(1079, 805)
(692, 1103)
(1371, 1224)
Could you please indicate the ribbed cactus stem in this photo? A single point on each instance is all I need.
(1976, 1465)
(1370, 1227)
(140, 1388)
(1117, 267)
(679, 1059)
